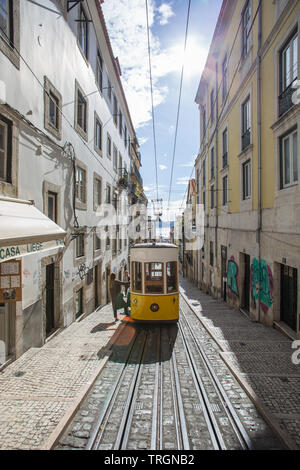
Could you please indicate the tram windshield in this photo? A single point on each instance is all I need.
(136, 276)
(172, 276)
(154, 278)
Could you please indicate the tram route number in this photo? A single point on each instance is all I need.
(152, 459)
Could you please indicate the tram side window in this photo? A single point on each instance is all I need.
(154, 280)
(137, 276)
(172, 276)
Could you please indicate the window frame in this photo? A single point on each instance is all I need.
(225, 190)
(246, 37)
(83, 131)
(159, 283)
(98, 124)
(49, 89)
(99, 70)
(225, 148)
(246, 184)
(246, 121)
(176, 277)
(133, 276)
(9, 45)
(80, 186)
(108, 146)
(80, 245)
(83, 20)
(289, 136)
(7, 149)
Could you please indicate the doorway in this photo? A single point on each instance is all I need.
(49, 298)
(223, 272)
(107, 278)
(246, 284)
(98, 284)
(288, 298)
(7, 327)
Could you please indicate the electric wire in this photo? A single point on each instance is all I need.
(151, 89)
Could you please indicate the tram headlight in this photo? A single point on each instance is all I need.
(154, 307)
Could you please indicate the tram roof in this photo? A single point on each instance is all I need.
(154, 245)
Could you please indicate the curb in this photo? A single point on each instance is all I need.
(69, 415)
(288, 442)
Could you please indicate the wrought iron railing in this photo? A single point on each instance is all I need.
(246, 139)
(285, 99)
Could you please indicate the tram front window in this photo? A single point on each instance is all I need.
(137, 276)
(154, 278)
(172, 276)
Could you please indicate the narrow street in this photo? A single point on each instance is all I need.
(116, 386)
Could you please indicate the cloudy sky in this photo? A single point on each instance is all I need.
(126, 22)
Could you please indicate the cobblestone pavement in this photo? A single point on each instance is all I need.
(260, 359)
(39, 388)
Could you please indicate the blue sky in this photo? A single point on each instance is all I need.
(126, 24)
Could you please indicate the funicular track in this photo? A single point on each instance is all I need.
(166, 395)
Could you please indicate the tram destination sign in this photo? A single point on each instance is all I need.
(11, 281)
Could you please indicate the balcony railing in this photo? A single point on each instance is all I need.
(246, 139)
(123, 178)
(285, 99)
(136, 173)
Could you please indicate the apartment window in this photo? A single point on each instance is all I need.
(108, 146)
(52, 206)
(115, 110)
(79, 302)
(6, 20)
(97, 242)
(246, 23)
(204, 121)
(107, 243)
(97, 192)
(52, 105)
(115, 158)
(225, 148)
(5, 149)
(203, 199)
(83, 32)
(99, 71)
(98, 135)
(120, 164)
(197, 181)
(224, 78)
(211, 253)
(125, 136)
(212, 106)
(246, 123)
(80, 184)
(109, 89)
(79, 245)
(212, 163)
(225, 190)
(114, 246)
(121, 124)
(212, 196)
(288, 159)
(204, 172)
(108, 194)
(81, 112)
(247, 180)
(288, 66)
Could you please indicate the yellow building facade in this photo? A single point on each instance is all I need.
(247, 170)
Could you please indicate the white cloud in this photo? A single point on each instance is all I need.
(183, 180)
(143, 140)
(163, 167)
(165, 12)
(127, 28)
(188, 164)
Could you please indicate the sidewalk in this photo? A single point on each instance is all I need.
(260, 359)
(41, 390)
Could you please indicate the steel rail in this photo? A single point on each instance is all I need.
(212, 425)
(124, 429)
(235, 420)
(156, 408)
(109, 402)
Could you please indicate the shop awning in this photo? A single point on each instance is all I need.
(24, 229)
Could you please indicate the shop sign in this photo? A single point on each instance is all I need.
(11, 281)
(9, 252)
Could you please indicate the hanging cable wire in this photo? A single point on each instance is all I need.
(151, 88)
(179, 99)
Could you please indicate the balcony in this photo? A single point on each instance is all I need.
(285, 99)
(123, 178)
(135, 172)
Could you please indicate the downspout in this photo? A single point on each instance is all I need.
(259, 208)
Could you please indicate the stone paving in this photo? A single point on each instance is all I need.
(260, 359)
(39, 388)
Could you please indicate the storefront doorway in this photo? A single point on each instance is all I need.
(288, 301)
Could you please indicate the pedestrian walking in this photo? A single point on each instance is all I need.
(115, 289)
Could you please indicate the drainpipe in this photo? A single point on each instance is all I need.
(259, 208)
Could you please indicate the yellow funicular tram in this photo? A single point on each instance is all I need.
(154, 282)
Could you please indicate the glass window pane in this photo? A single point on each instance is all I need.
(287, 66)
(286, 156)
(295, 58)
(172, 276)
(295, 157)
(137, 276)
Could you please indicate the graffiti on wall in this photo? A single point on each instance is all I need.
(232, 276)
(261, 280)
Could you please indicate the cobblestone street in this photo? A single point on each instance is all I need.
(41, 391)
